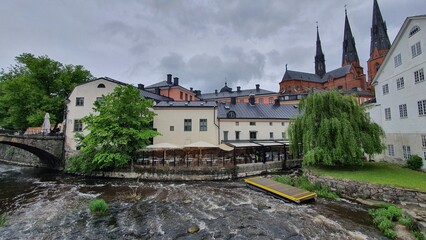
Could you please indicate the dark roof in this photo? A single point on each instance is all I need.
(159, 85)
(310, 77)
(241, 93)
(144, 93)
(350, 54)
(257, 111)
(379, 34)
(358, 93)
(186, 104)
(226, 88)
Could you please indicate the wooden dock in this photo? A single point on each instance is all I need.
(282, 190)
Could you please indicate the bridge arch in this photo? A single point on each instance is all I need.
(48, 149)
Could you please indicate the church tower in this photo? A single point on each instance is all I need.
(380, 43)
(319, 58)
(350, 55)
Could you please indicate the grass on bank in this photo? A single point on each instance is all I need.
(98, 207)
(379, 173)
(303, 182)
(2, 220)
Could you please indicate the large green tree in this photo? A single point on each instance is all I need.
(34, 86)
(333, 129)
(120, 125)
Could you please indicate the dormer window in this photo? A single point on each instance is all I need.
(414, 30)
(231, 114)
(101, 85)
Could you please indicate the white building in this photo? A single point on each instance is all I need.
(400, 88)
(80, 104)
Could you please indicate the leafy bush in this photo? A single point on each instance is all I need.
(406, 221)
(2, 220)
(414, 162)
(390, 233)
(98, 207)
(419, 235)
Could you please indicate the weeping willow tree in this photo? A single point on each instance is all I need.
(334, 130)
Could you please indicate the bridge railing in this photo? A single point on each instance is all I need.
(32, 132)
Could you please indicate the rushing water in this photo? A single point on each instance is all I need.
(40, 204)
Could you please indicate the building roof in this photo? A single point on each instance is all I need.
(144, 93)
(311, 77)
(379, 34)
(257, 111)
(350, 54)
(159, 85)
(358, 92)
(241, 93)
(186, 104)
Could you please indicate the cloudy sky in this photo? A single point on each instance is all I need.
(203, 42)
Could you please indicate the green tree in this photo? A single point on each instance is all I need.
(120, 125)
(334, 130)
(34, 86)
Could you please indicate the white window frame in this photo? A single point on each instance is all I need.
(419, 76)
(403, 111)
(79, 101)
(397, 60)
(423, 141)
(406, 150)
(385, 89)
(416, 50)
(388, 114)
(391, 150)
(400, 84)
(421, 105)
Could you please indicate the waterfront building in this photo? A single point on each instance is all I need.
(400, 87)
(80, 104)
(173, 90)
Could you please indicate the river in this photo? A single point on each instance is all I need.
(41, 204)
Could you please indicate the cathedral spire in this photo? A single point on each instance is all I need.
(379, 35)
(319, 58)
(350, 54)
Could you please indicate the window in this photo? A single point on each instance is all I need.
(271, 135)
(241, 100)
(403, 110)
(231, 114)
(237, 135)
(400, 83)
(252, 123)
(419, 76)
(397, 60)
(414, 30)
(186, 96)
(101, 85)
(225, 135)
(78, 125)
(172, 128)
(424, 141)
(79, 101)
(260, 100)
(424, 155)
(203, 125)
(282, 124)
(270, 123)
(187, 125)
(181, 95)
(388, 114)
(385, 89)
(237, 123)
(391, 150)
(271, 100)
(190, 98)
(406, 151)
(422, 107)
(253, 135)
(284, 135)
(416, 50)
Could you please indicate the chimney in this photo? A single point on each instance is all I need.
(252, 100)
(238, 89)
(175, 81)
(277, 102)
(141, 86)
(257, 87)
(157, 90)
(169, 79)
(191, 89)
(215, 91)
(233, 100)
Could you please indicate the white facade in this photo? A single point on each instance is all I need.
(80, 104)
(253, 129)
(400, 88)
(170, 122)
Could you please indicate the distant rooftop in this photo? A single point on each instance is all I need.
(227, 92)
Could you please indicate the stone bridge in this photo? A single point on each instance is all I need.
(49, 149)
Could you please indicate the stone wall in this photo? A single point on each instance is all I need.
(19, 156)
(353, 190)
